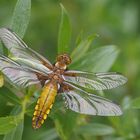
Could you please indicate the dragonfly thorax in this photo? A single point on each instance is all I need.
(60, 65)
(56, 77)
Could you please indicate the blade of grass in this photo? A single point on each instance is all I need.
(21, 17)
(64, 32)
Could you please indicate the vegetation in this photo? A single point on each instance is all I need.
(114, 22)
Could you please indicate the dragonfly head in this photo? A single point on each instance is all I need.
(62, 61)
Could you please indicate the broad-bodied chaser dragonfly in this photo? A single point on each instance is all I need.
(26, 67)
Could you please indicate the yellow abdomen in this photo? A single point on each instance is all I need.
(44, 104)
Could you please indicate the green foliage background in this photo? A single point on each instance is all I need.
(48, 32)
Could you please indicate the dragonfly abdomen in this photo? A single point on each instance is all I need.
(44, 104)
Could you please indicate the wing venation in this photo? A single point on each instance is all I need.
(17, 74)
(97, 81)
(86, 103)
(22, 54)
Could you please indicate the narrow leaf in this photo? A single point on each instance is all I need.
(95, 129)
(21, 17)
(79, 38)
(64, 32)
(16, 133)
(7, 124)
(97, 60)
(82, 48)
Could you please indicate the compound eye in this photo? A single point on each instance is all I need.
(60, 58)
(67, 60)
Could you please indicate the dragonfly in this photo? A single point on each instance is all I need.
(26, 67)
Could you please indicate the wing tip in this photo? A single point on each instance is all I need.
(113, 113)
(116, 111)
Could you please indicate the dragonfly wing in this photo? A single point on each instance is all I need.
(86, 103)
(97, 81)
(22, 53)
(16, 73)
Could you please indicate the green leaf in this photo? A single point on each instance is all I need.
(7, 124)
(115, 121)
(64, 32)
(136, 103)
(4, 109)
(11, 97)
(16, 133)
(30, 109)
(21, 17)
(94, 129)
(50, 134)
(97, 60)
(82, 48)
(79, 38)
(65, 128)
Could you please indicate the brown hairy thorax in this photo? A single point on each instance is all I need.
(59, 68)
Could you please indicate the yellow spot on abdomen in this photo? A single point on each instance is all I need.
(36, 107)
(48, 111)
(45, 116)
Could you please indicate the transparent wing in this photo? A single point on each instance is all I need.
(97, 81)
(21, 53)
(16, 73)
(86, 103)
